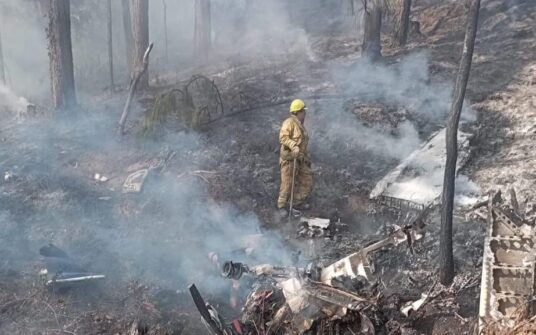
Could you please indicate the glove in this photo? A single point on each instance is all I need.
(295, 152)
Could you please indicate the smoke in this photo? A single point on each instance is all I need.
(404, 86)
(9, 102)
(256, 29)
(165, 234)
(406, 83)
(162, 236)
(25, 48)
(335, 129)
(239, 32)
(174, 245)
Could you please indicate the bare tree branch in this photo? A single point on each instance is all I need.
(133, 85)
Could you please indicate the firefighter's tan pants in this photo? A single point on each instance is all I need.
(303, 182)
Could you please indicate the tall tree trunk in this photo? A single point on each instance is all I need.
(202, 29)
(351, 7)
(127, 28)
(402, 24)
(61, 55)
(139, 14)
(371, 48)
(2, 68)
(165, 28)
(110, 46)
(446, 259)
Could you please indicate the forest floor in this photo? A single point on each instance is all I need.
(223, 180)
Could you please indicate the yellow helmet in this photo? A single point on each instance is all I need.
(297, 105)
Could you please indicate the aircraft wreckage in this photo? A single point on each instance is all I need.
(340, 298)
(509, 265)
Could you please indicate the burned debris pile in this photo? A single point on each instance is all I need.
(341, 298)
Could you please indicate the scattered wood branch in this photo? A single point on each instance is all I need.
(5, 307)
(53, 312)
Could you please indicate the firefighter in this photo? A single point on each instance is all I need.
(293, 138)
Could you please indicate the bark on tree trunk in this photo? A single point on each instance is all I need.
(2, 68)
(110, 46)
(139, 14)
(202, 29)
(371, 48)
(165, 28)
(402, 24)
(351, 7)
(61, 55)
(127, 27)
(446, 259)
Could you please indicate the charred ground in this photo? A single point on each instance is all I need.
(52, 196)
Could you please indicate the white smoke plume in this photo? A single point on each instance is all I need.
(10, 102)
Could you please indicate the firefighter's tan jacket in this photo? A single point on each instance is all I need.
(293, 134)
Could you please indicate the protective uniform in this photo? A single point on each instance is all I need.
(293, 134)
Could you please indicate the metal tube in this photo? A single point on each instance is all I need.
(75, 279)
(292, 190)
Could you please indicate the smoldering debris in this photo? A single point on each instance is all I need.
(295, 300)
(314, 227)
(10, 103)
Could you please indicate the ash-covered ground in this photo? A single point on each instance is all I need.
(210, 188)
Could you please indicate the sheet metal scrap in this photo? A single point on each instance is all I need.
(508, 267)
(357, 264)
(313, 227)
(416, 182)
(134, 182)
